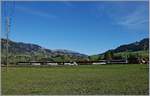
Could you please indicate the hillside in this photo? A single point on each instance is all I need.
(132, 47)
(137, 48)
(19, 51)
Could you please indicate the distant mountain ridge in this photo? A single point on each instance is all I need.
(28, 47)
(29, 52)
(132, 47)
(20, 47)
(16, 48)
(136, 46)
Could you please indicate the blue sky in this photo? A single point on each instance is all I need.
(85, 27)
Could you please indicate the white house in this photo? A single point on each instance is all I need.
(36, 64)
(68, 63)
(54, 64)
(74, 63)
(98, 63)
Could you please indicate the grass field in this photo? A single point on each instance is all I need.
(83, 79)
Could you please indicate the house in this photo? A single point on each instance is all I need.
(70, 63)
(35, 64)
(23, 63)
(75, 63)
(98, 63)
(121, 61)
(54, 64)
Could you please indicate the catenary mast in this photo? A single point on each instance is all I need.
(8, 13)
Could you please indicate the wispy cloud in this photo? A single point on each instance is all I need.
(129, 17)
(135, 20)
(36, 12)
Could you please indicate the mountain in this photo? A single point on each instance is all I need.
(132, 47)
(69, 52)
(136, 46)
(36, 52)
(22, 48)
(139, 47)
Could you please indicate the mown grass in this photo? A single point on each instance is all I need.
(85, 79)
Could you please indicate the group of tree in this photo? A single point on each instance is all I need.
(140, 57)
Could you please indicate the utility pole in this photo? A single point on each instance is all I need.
(7, 41)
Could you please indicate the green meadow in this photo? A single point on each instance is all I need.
(76, 80)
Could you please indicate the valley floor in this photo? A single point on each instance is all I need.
(84, 79)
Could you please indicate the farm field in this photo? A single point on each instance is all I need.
(84, 79)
